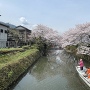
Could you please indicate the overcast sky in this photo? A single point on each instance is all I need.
(57, 14)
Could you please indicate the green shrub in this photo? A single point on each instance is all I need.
(34, 46)
(10, 74)
(26, 47)
(71, 48)
(84, 57)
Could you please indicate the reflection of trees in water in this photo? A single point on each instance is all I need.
(38, 69)
(46, 67)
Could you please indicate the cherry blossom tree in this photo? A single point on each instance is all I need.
(79, 34)
(50, 35)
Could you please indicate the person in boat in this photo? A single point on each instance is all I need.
(81, 64)
(87, 73)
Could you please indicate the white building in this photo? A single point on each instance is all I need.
(3, 35)
(24, 34)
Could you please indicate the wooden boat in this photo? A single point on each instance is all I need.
(81, 74)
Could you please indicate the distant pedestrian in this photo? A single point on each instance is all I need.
(81, 64)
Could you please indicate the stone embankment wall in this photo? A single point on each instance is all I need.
(11, 72)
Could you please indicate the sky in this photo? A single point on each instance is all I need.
(61, 15)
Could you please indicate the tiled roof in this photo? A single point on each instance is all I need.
(4, 24)
(23, 27)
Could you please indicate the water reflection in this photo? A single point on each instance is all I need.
(54, 72)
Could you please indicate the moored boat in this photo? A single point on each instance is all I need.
(81, 74)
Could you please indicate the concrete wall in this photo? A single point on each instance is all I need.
(3, 36)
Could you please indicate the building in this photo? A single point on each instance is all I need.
(3, 34)
(23, 35)
(12, 37)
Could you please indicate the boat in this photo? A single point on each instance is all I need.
(81, 74)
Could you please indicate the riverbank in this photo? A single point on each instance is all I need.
(79, 52)
(12, 69)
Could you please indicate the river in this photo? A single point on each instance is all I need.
(54, 72)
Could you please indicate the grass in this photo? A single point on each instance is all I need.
(9, 58)
(9, 49)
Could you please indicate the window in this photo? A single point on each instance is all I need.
(21, 32)
(1, 30)
(5, 31)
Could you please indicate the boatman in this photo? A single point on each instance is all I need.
(81, 64)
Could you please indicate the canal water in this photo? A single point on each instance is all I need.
(54, 72)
